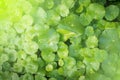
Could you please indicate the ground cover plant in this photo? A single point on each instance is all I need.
(59, 40)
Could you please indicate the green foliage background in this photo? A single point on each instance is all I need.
(59, 40)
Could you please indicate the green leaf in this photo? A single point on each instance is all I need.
(27, 20)
(66, 34)
(109, 41)
(5, 75)
(30, 47)
(49, 4)
(69, 62)
(28, 77)
(18, 66)
(48, 56)
(41, 15)
(92, 42)
(84, 2)
(98, 76)
(49, 40)
(85, 19)
(112, 12)
(41, 62)
(62, 50)
(39, 77)
(103, 2)
(69, 4)
(63, 10)
(12, 57)
(6, 66)
(3, 58)
(110, 61)
(60, 62)
(72, 23)
(96, 11)
(15, 76)
(100, 55)
(89, 31)
(49, 67)
(3, 38)
(52, 79)
(53, 17)
(31, 67)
